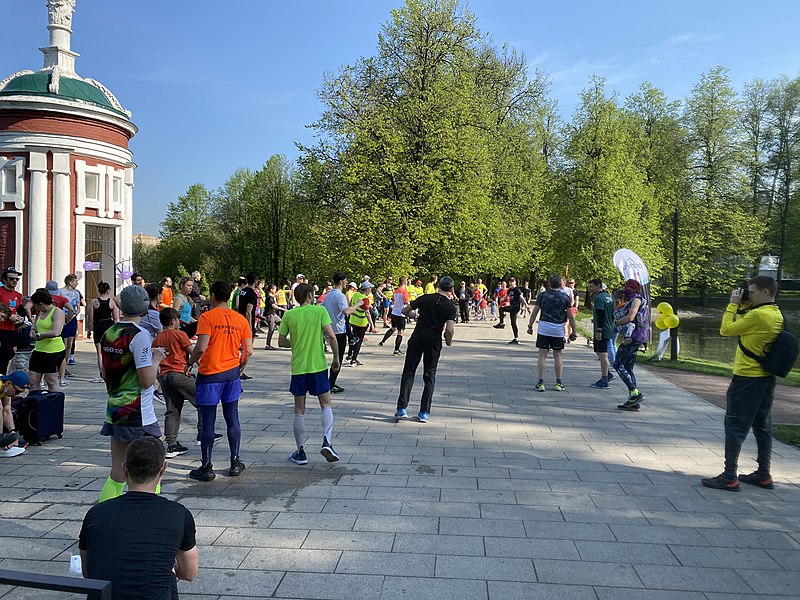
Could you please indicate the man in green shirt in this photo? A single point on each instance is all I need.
(603, 319)
(303, 329)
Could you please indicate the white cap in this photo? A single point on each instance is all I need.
(353, 284)
(300, 276)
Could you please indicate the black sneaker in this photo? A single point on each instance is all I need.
(514, 341)
(755, 478)
(244, 377)
(176, 449)
(337, 389)
(499, 326)
(328, 452)
(397, 353)
(237, 467)
(632, 403)
(67, 373)
(720, 482)
(203, 473)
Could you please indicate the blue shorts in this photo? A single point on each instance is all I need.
(211, 394)
(315, 384)
(70, 329)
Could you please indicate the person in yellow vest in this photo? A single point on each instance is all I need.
(360, 322)
(418, 287)
(352, 288)
(430, 287)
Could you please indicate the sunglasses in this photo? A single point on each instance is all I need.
(12, 278)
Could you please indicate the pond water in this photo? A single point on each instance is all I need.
(700, 338)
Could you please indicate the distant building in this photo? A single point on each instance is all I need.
(146, 240)
(66, 174)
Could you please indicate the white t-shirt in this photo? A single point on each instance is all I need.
(551, 329)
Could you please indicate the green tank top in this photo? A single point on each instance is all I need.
(48, 345)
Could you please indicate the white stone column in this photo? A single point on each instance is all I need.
(37, 222)
(62, 230)
(126, 234)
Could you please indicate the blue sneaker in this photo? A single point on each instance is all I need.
(423, 417)
(401, 413)
(611, 376)
(327, 451)
(603, 385)
(299, 457)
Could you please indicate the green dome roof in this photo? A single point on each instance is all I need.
(36, 84)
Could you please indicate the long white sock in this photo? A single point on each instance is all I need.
(299, 427)
(327, 423)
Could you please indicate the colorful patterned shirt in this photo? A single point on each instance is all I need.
(125, 348)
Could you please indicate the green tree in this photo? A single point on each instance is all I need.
(718, 221)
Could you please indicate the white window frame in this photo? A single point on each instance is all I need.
(82, 202)
(19, 252)
(18, 166)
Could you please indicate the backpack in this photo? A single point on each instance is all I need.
(779, 356)
(642, 321)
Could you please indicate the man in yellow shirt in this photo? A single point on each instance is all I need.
(749, 397)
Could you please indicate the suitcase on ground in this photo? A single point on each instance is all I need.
(39, 415)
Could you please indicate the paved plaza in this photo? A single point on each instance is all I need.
(505, 494)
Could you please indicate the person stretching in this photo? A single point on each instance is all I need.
(399, 302)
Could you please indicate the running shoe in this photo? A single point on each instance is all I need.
(299, 457)
(603, 385)
(499, 326)
(236, 469)
(356, 363)
(98, 380)
(67, 373)
(337, 389)
(244, 377)
(401, 413)
(217, 437)
(755, 478)
(327, 451)
(175, 449)
(63, 383)
(268, 347)
(423, 416)
(633, 403)
(514, 341)
(71, 362)
(540, 387)
(203, 473)
(720, 482)
(611, 376)
(380, 344)
(559, 387)
(397, 353)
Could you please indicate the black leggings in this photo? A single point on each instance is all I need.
(357, 340)
(208, 418)
(512, 311)
(341, 342)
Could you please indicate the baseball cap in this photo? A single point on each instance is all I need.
(134, 301)
(353, 284)
(10, 271)
(365, 285)
(18, 378)
(418, 282)
(299, 276)
(51, 286)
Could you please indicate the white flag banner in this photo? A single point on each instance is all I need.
(631, 266)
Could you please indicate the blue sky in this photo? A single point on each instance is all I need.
(217, 86)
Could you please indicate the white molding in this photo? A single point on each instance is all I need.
(19, 251)
(62, 203)
(69, 107)
(80, 245)
(37, 221)
(20, 141)
(18, 164)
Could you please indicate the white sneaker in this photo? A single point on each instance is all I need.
(98, 380)
(63, 383)
(13, 451)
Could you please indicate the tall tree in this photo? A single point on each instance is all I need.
(727, 239)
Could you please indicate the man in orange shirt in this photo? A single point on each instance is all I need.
(224, 345)
(166, 294)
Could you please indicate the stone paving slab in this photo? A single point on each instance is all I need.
(506, 493)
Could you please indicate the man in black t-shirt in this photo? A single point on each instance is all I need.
(247, 301)
(516, 302)
(139, 541)
(436, 312)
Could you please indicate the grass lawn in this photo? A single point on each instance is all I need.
(788, 434)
